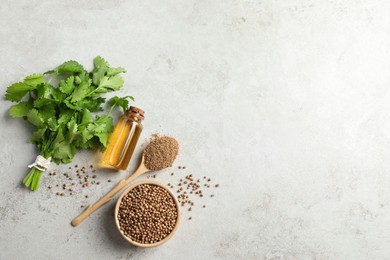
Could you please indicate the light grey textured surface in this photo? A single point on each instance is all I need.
(284, 103)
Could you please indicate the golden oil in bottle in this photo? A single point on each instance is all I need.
(123, 140)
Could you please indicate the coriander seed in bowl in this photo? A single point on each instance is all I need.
(147, 214)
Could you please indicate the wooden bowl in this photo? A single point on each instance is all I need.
(177, 208)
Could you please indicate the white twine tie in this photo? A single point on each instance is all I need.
(41, 163)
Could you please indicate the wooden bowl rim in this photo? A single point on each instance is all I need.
(153, 182)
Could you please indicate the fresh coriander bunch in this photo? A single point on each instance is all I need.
(62, 113)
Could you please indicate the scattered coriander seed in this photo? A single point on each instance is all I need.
(94, 176)
(190, 218)
(172, 174)
(179, 167)
(208, 179)
(184, 167)
(204, 206)
(98, 182)
(216, 185)
(61, 194)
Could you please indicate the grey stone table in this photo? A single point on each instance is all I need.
(285, 104)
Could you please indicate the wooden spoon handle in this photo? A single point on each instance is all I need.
(91, 208)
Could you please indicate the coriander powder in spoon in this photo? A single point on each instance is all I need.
(161, 152)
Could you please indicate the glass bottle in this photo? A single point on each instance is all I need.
(123, 140)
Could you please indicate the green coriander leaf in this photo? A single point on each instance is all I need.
(72, 130)
(93, 105)
(91, 143)
(86, 118)
(86, 134)
(67, 67)
(44, 91)
(53, 124)
(69, 160)
(100, 62)
(103, 138)
(64, 152)
(113, 83)
(99, 73)
(105, 120)
(35, 118)
(42, 102)
(47, 94)
(102, 124)
(65, 116)
(17, 91)
(38, 135)
(121, 102)
(81, 91)
(47, 112)
(58, 141)
(34, 80)
(114, 71)
(97, 128)
(21, 109)
(72, 106)
(67, 86)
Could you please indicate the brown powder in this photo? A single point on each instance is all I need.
(161, 152)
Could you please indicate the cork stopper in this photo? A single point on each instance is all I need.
(135, 113)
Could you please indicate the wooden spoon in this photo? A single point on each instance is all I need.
(91, 208)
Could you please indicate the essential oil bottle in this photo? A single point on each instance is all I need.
(123, 140)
